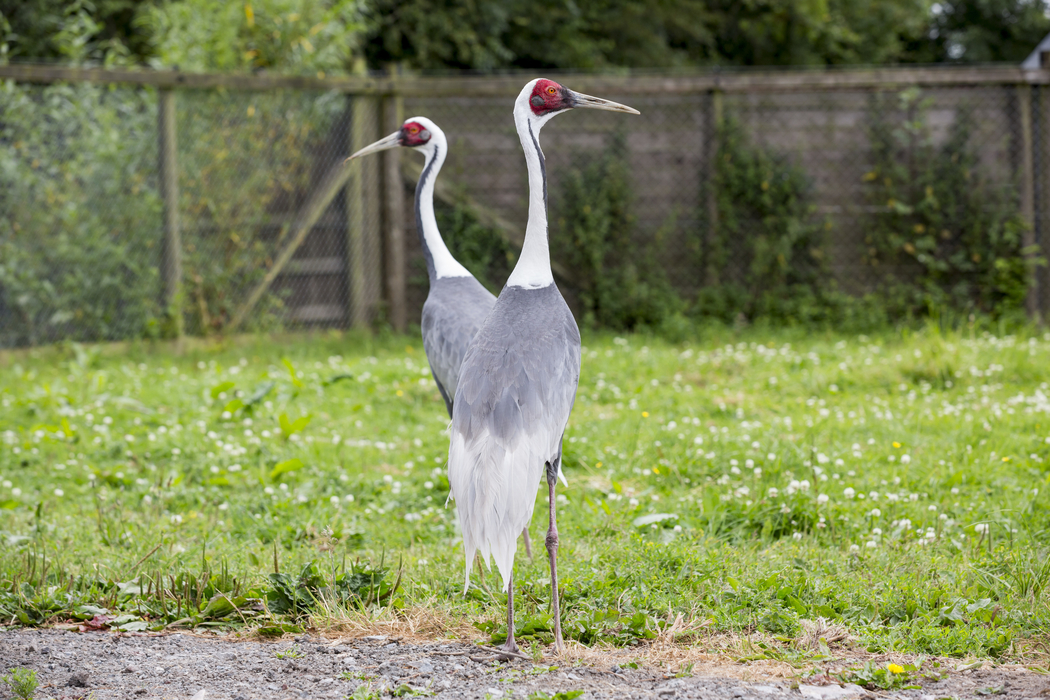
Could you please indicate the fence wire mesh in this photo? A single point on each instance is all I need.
(711, 204)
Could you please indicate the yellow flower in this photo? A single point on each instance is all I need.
(1006, 459)
(894, 668)
(400, 393)
(645, 414)
(599, 464)
(897, 445)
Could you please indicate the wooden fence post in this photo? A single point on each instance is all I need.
(714, 128)
(1041, 200)
(362, 194)
(394, 216)
(171, 246)
(1027, 177)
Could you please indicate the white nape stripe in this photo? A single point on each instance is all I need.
(435, 151)
(533, 270)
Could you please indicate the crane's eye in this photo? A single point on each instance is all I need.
(537, 101)
(551, 90)
(413, 129)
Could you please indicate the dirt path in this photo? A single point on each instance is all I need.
(180, 666)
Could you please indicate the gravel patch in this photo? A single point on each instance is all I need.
(180, 666)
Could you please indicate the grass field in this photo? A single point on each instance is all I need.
(895, 485)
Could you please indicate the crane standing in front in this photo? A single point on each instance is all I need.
(457, 303)
(518, 380)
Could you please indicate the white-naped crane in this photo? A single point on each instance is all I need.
(518, 381)
(457, 303)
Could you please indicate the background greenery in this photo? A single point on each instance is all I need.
(944, 237)
(351, 35)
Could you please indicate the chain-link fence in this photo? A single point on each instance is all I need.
(148, 205)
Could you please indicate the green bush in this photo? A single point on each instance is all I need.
(765, 258)
(946, 236)
(619, 281)
(80, 216)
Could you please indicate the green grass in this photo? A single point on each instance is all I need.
(896, 485)
(22, 682)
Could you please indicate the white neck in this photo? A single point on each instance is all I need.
(444, 265)
(533, 269)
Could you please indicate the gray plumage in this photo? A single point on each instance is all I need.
(453, 312)
(516, 391)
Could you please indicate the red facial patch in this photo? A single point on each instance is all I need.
(548, 96)
(414, 134)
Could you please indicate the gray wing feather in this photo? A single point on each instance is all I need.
(516, 390)
(454, 311)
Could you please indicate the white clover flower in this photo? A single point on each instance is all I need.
(980, 527)
(176, 519)
(854, 548)
(268, 490)
(876, 531)
(905, 459)
(224, 506)
(822, 499)
(60, 493)
(773, 492)
(633, 501)
(932, 508)
(796, 535)
(848, 492)
(870, 544)
(16, 491)
(875, 513)
(874, 495)
(349, 498)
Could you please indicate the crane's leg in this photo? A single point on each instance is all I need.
(510, 645)
(552, 551)
(528, 543)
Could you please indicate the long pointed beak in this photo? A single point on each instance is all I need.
(589, 102)
(383, 144)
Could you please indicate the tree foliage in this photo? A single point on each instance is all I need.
(292, 36)
(338, 36)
